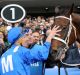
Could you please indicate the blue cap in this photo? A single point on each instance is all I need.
(15, 33)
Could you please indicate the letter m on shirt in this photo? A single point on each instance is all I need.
(7, 64)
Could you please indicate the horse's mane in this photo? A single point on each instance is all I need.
(76, 20)
(76, 23)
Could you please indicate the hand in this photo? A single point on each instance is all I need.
(55, 31)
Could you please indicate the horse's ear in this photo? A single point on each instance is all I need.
(70, 11)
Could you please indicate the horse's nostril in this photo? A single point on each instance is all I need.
(55, 50)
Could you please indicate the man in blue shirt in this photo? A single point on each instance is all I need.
(17, 59)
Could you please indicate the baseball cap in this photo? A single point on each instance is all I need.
(15, 33)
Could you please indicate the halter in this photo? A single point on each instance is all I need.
(66, 40)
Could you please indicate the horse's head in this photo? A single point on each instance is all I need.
(70, 25)
(67, 36)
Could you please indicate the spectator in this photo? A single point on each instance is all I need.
(2, 44)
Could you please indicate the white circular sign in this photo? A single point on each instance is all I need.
(13, 13)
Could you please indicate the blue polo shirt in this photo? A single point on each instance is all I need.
(17, 59)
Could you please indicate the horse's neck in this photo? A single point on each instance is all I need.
(76, 23)
(76, 20)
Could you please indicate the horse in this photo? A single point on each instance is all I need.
(70, 25)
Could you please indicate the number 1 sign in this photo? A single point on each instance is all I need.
(13, 13)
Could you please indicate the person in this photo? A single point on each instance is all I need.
(37, 37)
(2, 44)
(72, 55)
(78, 45)
(36, 68)
(17, 59)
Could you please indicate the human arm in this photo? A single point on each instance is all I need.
(41, 52)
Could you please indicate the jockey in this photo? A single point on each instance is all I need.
(17, 59)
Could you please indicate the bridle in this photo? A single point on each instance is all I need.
(66, 40)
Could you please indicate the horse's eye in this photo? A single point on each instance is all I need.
(63, 28)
